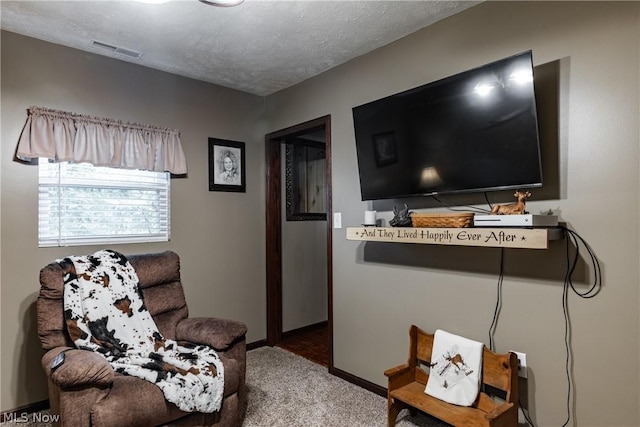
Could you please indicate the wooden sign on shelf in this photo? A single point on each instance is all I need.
(525, 238)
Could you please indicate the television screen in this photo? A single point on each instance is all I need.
(472, 132)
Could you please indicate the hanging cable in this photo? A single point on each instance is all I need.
(597, 273)
(486, 197)
(573, 237)
(525, 412)
(473, 208)
(595, 287)
(496, 312)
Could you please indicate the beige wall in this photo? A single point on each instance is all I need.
(304, 274)
(216, 234)
(304, 268)
(597, 48)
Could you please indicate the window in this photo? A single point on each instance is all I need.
(80, 204)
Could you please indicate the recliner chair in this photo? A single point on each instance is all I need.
(85, 390)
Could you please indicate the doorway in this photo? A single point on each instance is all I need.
(274, 255)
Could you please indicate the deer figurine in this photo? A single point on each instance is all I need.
(513, 208)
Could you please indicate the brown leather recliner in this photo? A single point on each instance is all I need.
(85, 390)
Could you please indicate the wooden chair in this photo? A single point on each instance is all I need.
(407, 383)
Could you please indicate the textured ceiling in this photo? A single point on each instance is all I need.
(259, 47)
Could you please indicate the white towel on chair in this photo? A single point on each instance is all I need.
(456, 364)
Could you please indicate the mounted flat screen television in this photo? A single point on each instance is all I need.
(476, 131)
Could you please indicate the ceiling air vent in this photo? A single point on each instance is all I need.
(121, 50)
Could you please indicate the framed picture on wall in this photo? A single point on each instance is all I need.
(226, 165)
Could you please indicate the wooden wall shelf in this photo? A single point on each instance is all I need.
(506, 237)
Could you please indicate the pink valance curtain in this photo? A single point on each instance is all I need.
(62, 136)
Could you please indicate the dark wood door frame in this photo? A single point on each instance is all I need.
(274, 226)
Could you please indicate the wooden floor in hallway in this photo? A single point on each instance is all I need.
(312, 344)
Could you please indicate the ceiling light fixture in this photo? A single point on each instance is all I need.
(222, 3)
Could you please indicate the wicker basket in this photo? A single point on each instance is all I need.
(449, 220)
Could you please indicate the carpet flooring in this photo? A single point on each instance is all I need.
(287, 390)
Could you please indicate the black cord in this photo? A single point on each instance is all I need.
(567, 335)
(565, 310)
(577, 240)
(525, 412)
(494, 324)
(473, 208)
(496, 312)
(573, 237)
(486, 197)
(597, 273)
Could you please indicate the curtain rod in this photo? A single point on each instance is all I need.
(34, 110)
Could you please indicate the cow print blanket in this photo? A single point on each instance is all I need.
(105, 313)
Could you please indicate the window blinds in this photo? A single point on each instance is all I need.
(80, 204)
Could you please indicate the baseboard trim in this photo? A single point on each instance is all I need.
(16, 413)
(288, 334)
(367, 385)
(256, 344)
(304, 329)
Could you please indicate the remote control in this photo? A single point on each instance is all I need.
(57, 361)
